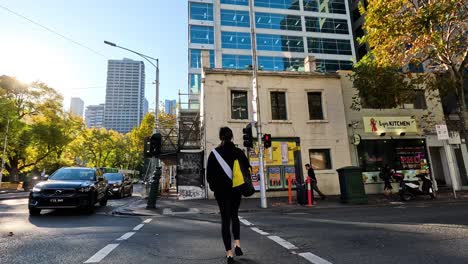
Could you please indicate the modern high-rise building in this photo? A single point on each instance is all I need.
(76, 106)
(145, 107)
(170, 107)
(94, 116)
(125, 95)
(286, 32)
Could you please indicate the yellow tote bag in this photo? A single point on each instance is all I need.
(237, 176)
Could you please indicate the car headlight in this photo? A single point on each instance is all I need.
(85, 189)
(36, 189)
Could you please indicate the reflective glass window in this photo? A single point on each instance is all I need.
(325, 6)
(235, 2)
(278, 21)
(195, 58)
(235, 40)
(280, 64)
(235, 18)
(201, 11)
(279, 43)
(326, 25)
(237, 62)
(195, 83)
(329, 46)
(333, 65)
(201, 35)
(283, 4)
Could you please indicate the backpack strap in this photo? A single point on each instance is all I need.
(223, 164)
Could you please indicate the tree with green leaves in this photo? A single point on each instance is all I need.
(414, 32)
(38, 128)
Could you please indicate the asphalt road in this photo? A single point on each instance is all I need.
(407, 233)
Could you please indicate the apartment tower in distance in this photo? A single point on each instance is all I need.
(125, 95)
(76, 106)
(286, 32)
(170, 107)
(94, 116)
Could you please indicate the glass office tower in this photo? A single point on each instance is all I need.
(286, 32)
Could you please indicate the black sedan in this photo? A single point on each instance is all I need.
(69, 187)
(119, 184)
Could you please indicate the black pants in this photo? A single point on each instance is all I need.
(316, 188)
(229, 209)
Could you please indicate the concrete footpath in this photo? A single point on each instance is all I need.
(13, 194)
(167, 205)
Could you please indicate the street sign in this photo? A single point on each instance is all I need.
(442, 132)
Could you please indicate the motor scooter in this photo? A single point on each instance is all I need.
(408, 190)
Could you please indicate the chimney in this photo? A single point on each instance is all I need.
(309, 64)
(205, 59)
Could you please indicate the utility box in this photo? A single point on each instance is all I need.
(352, 186)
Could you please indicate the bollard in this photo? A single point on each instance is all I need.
(290, 189)
(309, 192)
(154, 189)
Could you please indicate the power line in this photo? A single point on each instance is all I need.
(53, 31)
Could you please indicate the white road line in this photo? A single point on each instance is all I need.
(282, 242)
(147, 220)
(259, 231)
(245, 222)
(138, 227)
(126, 236)
(102, 253)
(314, 258)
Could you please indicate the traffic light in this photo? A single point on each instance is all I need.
(155, 144)
(266, 141)
(248, 138)
(147, 147)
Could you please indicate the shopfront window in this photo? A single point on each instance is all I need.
(399, 154)
(320, 159)
(278, 21)
(235, 18)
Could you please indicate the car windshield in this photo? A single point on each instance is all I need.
(72, 174)
(113, 176)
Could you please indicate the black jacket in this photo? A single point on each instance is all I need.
(219, 182)
(311, 174)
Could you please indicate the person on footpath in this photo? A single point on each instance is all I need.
(313, 181)
(228, 198)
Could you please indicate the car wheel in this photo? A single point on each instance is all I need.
(406, 196)
(90, 209)
(103, 201)
(34, 211)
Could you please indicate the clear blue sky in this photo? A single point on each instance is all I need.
(153, 27)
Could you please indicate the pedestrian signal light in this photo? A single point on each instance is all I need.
(267, 141)
(248, 138)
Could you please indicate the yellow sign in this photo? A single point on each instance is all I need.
(280, 153)
(394, 124)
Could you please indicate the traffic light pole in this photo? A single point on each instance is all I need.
(256, 108)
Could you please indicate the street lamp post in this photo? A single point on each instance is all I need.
(256, 108)
(4, 151)
(157, 172)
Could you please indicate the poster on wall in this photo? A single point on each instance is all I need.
(274, 177)
(255, 178)
(290, 172)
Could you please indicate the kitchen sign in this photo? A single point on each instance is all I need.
(395, 124)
